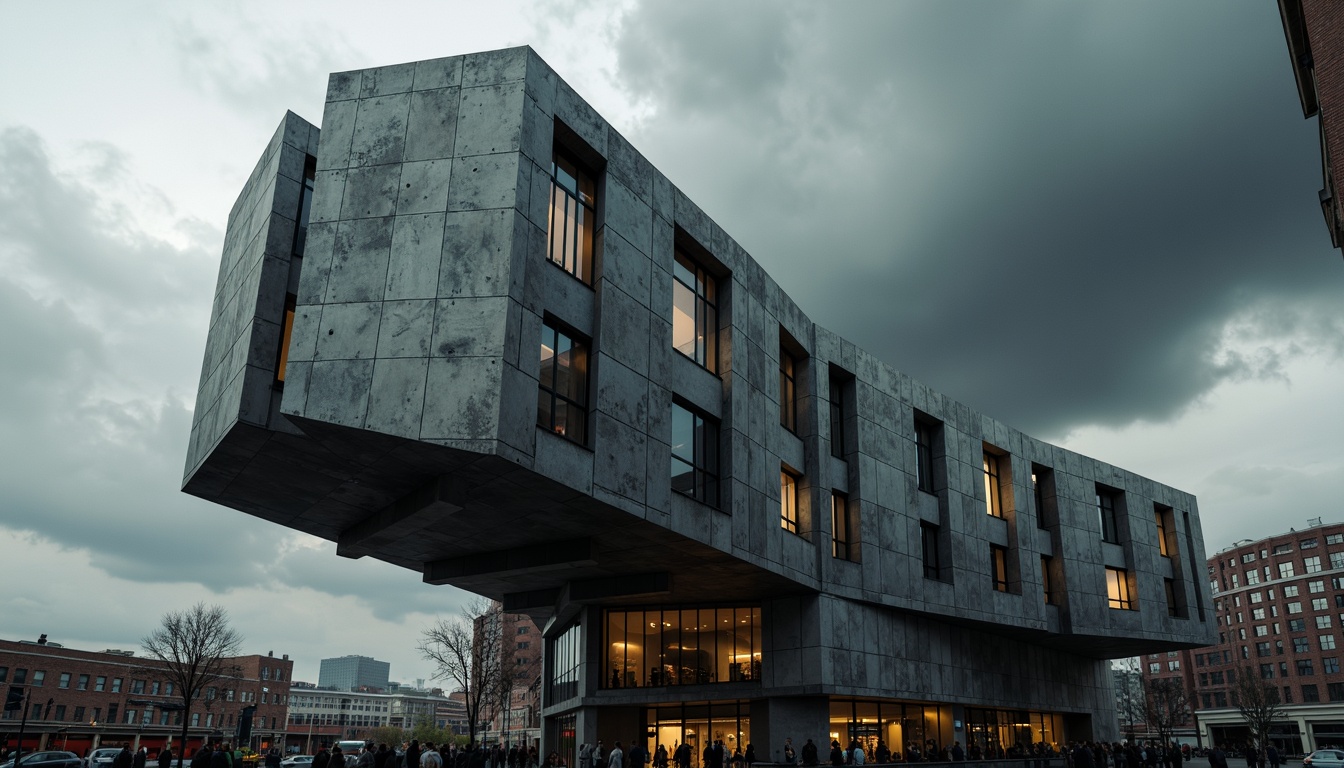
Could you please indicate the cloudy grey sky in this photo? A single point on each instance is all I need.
(1095, 221)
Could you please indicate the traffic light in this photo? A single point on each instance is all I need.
(14, 699)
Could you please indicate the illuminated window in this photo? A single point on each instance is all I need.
(680, 646)
(788, 391)
(788, 501)
(570, 223)
(998, 563)
(695, 315)
(1163, 516)
(1117, 589)
(841, 544)
(993, 503)
(562, 392)
(695, 455)
(1106, 512)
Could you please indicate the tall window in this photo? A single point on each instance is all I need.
(928, 535)
(924, 454)
(998, 563)
(1163, 516)
(1173, 606)
(570, 224)
(1106, 512)
(993, 503)
(1047, 583)
(562, 393)
(788, 501)
(695, 314)
(695, 455)
(838, 384)
(841, 545)
(788, 392)
(1117, 589)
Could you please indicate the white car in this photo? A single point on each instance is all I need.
(102, 758)
(297, 761)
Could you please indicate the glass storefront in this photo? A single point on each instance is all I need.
(899, 726)
(562, 738)
(997, 730)
(698, 726)
(688, 646)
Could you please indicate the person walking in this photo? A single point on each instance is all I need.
(272, 758)
(790, 756)
(810, 756)
(1272, 755)
(617, 758)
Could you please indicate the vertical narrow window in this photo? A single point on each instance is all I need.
(1047, 580)
(305, 205)
(841, 545)
(570, 223)
(1173, 607)
(928, 536)
(1042, 488)
(788, 408)
(993, 504)
(838, 384)
(1164, 518)
(1106, 512)
(998, 564)
(924, 454)
(695, 455)
(1117, 589)
(562, 392)
(286, 331)
(788, 501)
(695, 315)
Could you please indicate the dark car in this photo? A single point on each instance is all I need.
(47, 759)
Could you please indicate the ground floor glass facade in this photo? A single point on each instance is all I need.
(698, 726)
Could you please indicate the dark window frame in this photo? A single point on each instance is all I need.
(924, 436)
(929, 535)
(788, 390)
(549, 397)
(1106, 514)
(998, 567)
(703, 460)
(842, 547)
(788, 500)
(689, 275)
(572, 184)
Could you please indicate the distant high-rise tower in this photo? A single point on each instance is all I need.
(350, 672)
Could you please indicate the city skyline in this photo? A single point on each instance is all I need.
(1211, 366)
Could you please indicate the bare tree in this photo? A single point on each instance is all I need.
(1166, 706)
(1258, 702)
(1130, 698)
(195, 647)
(459, 648)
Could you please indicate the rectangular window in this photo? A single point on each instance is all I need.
(841, 546)
(570, 220)
(1305, 668)
(1317, 586)
(1262, 649)
(112, 712)
(1297, 625)
(1047, 583)
(79, 715)
(116, 685)
(137, 686)
(60, 712)
(100, 683)
(1330, 665)
(788, 501)
(695, 455)
(1267, 671)
(286, 334)
(1327, 642)
(82, 685)
(1320, 604)
(562, 392)
(1335, 690)
(1042, 479)
(1300, 645)
(39, 675)
(695, 315)
(1165, 522)
(838, 385)
(998, 563)
(924, 454)
(1252, 577)
(928, 536)
(993, 502)
(788, 391)
(1289, 591)
(1285, 570)
(1117, 589)
(64, 682)
(678, 646)
(1306, 544)
(1294, 607)
(1173, 606)
(1322, 622)
(1311, 564)
(1106, 513)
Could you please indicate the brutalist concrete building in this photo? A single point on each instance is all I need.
(471, 331)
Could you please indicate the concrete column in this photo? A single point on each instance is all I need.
(800, 719)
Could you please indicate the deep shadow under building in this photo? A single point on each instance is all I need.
(471, 331)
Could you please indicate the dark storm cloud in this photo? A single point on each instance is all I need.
(1050, 211)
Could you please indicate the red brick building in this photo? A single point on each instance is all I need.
(1315, 32)
(517, 643)
(1279, 604)
(77, 700)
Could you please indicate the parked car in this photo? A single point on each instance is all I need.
(102, 757)
(297, 761)
(1321, 758)
(47, 759)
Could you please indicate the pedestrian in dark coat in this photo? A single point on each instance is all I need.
(837, 754)
(220, 758)
(166, 757)
(412, 754)
(123, 758)
(320, 760)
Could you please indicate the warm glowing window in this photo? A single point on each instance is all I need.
(1163, 516)
(681, 646)
(285, 333)
(570, 222)
(998, 560)
(993, 502)
(695, 315)
(695, 455)
(1117, 589)
(841, 545)
(562, 392)
(788, 501)
(788, 389)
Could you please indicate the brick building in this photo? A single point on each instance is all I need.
(77, 700)
(1315, 33)
(518, 645)
(1279, 604)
